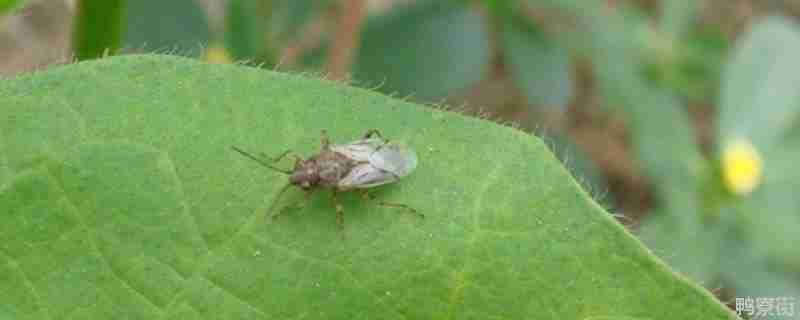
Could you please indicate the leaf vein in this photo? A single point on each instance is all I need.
(91, 239)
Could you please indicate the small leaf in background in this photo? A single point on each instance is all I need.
(99, 25)
(427, 49)
(759, 97)
(140, 210)
(689, 66)
(541, 68)
(175, 26)
(7, 5)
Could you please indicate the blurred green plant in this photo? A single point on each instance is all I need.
(8, 5)
(713, 221)
(541, 67)
(689, 66)
(104, 27)
(257, 30)
(741, 232)
(245, 30)
(428, 49)
(729, 218)
(759, 105)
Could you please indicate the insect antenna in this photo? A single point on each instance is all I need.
(278, 196)
(262, 162)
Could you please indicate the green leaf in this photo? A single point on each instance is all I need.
(540, 67)
(98, 28)
(759, 99)
(122, 199)
(427, 50)
(178, 26)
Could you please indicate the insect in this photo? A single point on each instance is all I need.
(369, 162)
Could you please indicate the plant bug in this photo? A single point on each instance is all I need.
(369, 162)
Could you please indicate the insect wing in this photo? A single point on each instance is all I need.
(365, 175)
(361, 150)
(385, 163)
(397, 159)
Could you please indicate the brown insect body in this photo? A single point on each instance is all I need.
(360, 164)
(325, 169)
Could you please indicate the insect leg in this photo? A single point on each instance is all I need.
(270, 215)
(339, 210)
(282, 155)
(372, 132)
(323, 138)
(367, 196)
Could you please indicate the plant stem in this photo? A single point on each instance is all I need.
(345, 40)
(98, 28)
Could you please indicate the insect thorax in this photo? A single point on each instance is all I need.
(324, 169)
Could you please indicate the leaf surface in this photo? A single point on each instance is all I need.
(122, 199)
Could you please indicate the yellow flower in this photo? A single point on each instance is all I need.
(216, 54)
(741, 166)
